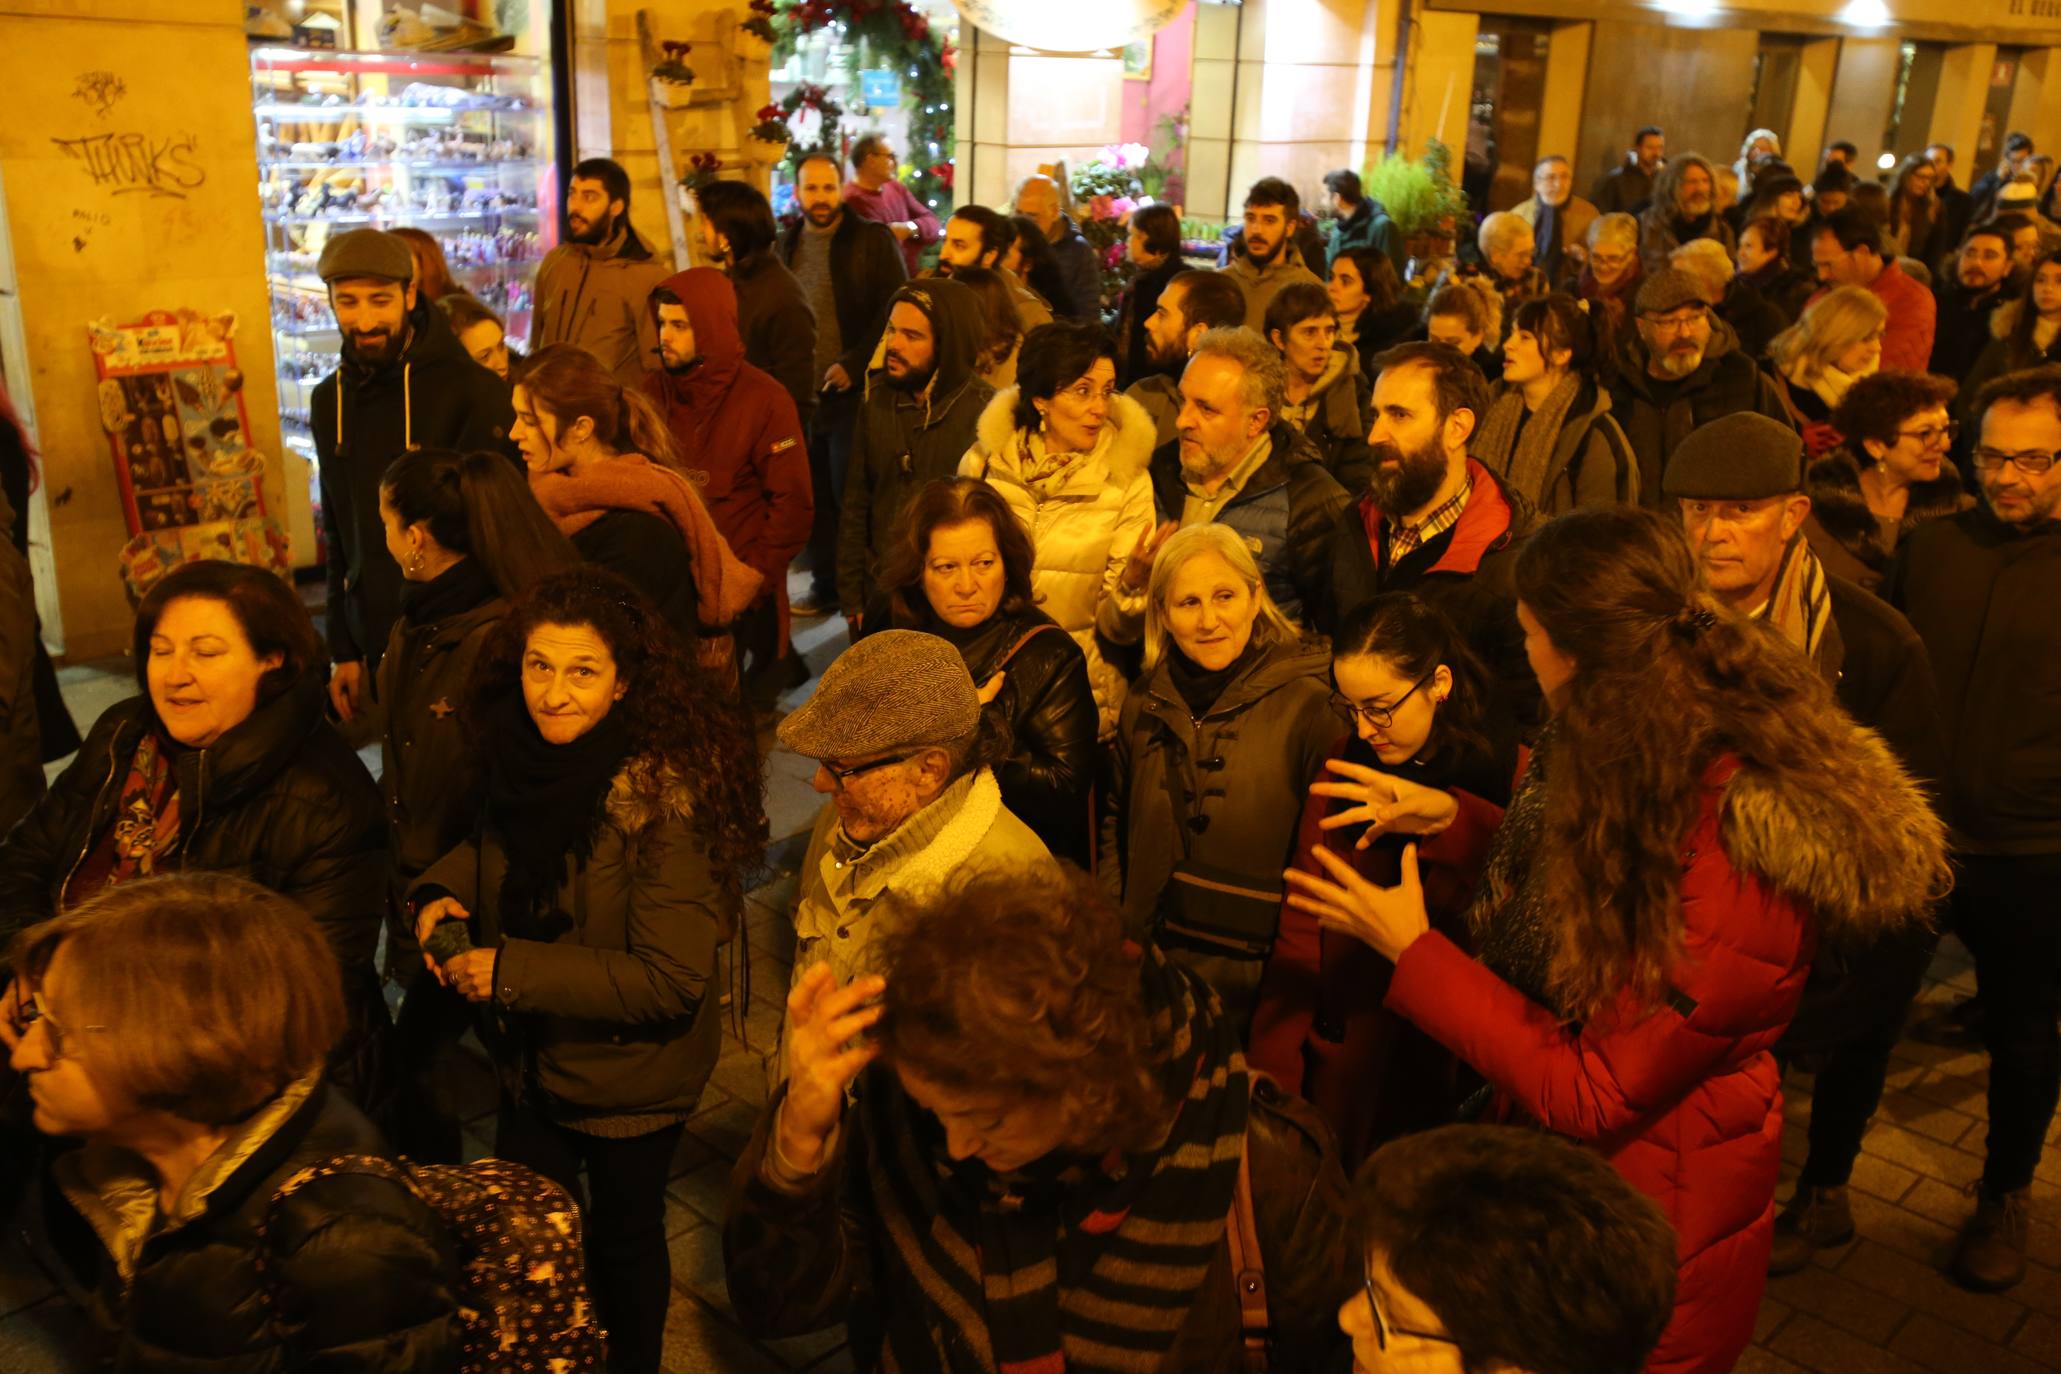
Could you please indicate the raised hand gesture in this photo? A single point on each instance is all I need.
(1383, 802)
(1386, 919)
(823, 1021)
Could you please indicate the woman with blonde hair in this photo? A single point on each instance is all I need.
(1837, 342)
(601, 464)
(1218, 743)
(1699, 822)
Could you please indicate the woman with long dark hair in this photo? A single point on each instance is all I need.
(960, 568)
(2025, 332)
(1417, 704)
(624, 807)
(470, 540)
(1368, 300)
(1548, 432)
(1700, 818)
(602, 466)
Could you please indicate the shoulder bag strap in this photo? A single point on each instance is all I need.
(1026, 637)
(1248, 1268)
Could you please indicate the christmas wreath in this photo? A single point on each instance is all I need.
(895, 34)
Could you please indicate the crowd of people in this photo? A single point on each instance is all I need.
(1339, 809)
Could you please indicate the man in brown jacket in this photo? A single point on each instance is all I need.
(594, 289)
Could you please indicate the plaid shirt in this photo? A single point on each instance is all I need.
(1404, 540)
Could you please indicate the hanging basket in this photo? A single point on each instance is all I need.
(766, 152)
(672, 94)
(751, 47)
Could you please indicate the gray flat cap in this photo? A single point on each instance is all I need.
(1668, 289)
(891, 690)
(367, 253)
(1744, 456)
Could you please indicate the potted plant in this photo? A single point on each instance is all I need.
(1422, 198)
(767, 142)
(702, 168)
(756, 35)
(673, 78)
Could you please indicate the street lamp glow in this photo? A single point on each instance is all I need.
(1886, 161)
(1866, 14)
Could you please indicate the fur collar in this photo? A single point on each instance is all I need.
(1842, 510)
(646, 792)
(1856, 843)
(1127, 451)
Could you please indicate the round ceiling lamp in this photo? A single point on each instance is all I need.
(1070, 26)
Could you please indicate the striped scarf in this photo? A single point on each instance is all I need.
(1801, 604)
(1070, 1264)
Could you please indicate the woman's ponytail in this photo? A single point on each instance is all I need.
(508, 531)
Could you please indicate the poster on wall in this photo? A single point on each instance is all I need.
(192, 487)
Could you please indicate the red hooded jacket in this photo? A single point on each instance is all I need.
(739, 436)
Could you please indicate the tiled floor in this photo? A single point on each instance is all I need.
(1880, 1305)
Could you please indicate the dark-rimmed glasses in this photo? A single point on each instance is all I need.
(1377, 717)
(1383, 1330)
(2032, 463)
(1932, 434)
(846, 772)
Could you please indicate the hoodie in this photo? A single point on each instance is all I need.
(433, 396)
(737, 431)
(906, 438)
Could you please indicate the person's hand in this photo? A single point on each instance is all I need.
(837, 379)
(991, 689)
(442, 909)
(1137, 574)
(13, 1002)
(823, 1020)
(1386, 919)
(903, 230)
(471, 975)
(1383, 802)
(347, 687)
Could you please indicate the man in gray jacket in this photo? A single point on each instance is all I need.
(594, 289)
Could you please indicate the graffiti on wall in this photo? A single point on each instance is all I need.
(137, 163)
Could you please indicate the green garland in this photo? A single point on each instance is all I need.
(893, 34)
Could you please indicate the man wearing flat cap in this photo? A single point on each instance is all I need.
(405, 382)
(1684, 369)
(1739, 482)
(895, 730)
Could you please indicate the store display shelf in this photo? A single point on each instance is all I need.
(519, 164)
(404, 114)
(393, 62)
(405, 215)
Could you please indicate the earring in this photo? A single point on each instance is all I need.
(415, 562)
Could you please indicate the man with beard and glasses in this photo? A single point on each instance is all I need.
(976, 236)
(404, 383)
(1846, 250)
(1684, 207)
(1979, 589)
(848, 267)
(1433, 520)
(1192, 304)
(736, 229)
(1237, 462)
(922, 407)
(1683, 370)
(594, 288)
(1267, 258)
(1965, 299)
(740, 439)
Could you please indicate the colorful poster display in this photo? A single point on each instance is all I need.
(192, 487)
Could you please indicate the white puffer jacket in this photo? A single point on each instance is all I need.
(1083, 525)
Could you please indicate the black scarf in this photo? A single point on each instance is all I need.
(1201, 687)
(543, 803)
(454, 591)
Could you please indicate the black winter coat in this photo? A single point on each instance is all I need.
(356, 1276)
(866, 267)
(1839, 512)
(1046, 710)
(280, 800)
(434, 396)
(1469, 572)
(778, 327)
(1140, 299)
(1960, 327)
(1981, 595)
(651, 556)
(1285, 512)
(1656, 415)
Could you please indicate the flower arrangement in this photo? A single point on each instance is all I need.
(829, 134)
(768, 139)
(756, 34)
(674, 70)
(702, 168)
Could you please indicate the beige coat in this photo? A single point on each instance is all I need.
(1083, 525)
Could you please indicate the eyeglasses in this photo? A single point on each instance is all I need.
(2032, 463)
(846, 774)
(1379, 717)
(1932, 434)
(1610, 262)
(1382, 1329)
(1675, 324)
(27, 1014)
(1083, 393)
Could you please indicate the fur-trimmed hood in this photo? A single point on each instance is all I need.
(646, 792)
(1126, 445)
(1853, 838)
(1842, 510)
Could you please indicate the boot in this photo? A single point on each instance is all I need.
(1815, 1219)
(1992, 1253)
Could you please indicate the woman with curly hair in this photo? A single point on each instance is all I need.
(621, 817)
(1050, 1135)
(1699, 821)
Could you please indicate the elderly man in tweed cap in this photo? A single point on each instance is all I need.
(895, 729)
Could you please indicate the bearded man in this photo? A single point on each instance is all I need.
(1433, 521)
(594, 289)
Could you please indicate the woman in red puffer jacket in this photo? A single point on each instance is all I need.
(1696, 819)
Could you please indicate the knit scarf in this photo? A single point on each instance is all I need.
(543, 803)
(1523, 457)
(1512, 936)
(146, 823)
(1045, 472)
(1070, 1264)
(1801, 604)
(576, 497)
